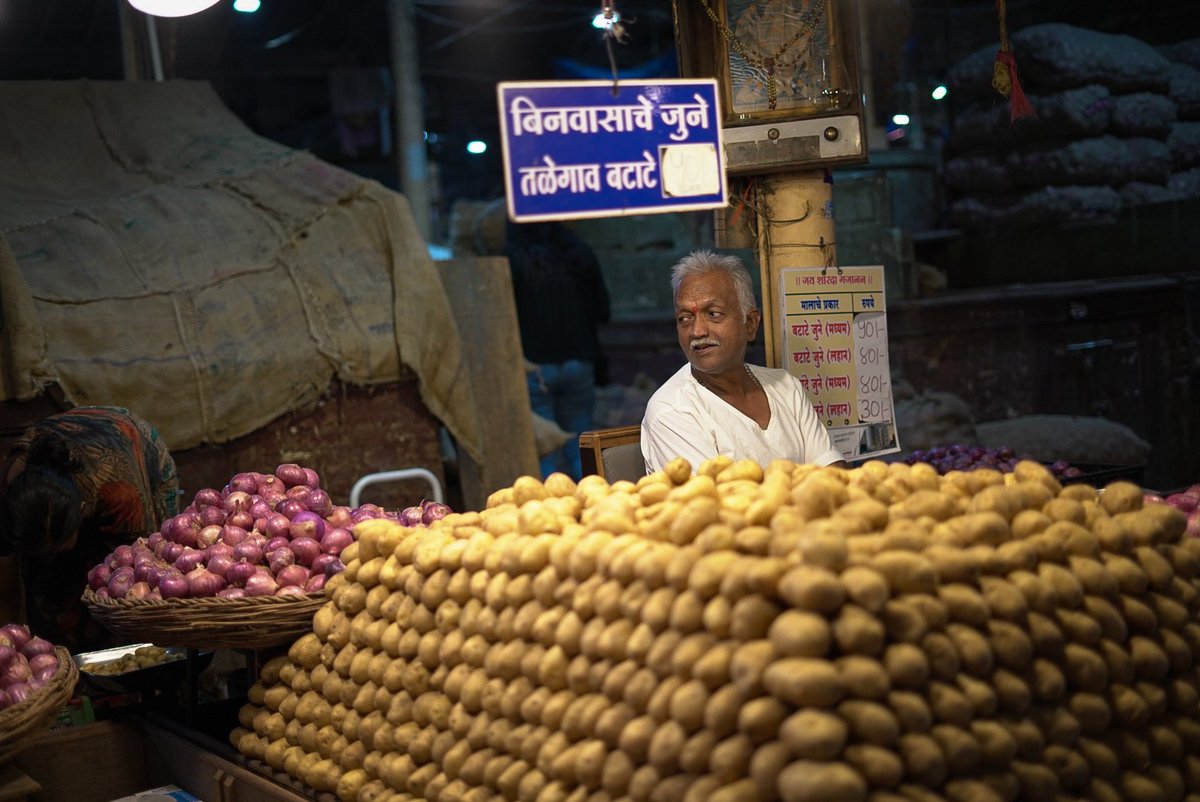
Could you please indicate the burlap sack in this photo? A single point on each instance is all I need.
(206, 278)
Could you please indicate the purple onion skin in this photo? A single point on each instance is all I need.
(121, 556)
(232, 593)
(120, 581)
(259, 508)
(244, 482)
(321, 562)
(237, 501)
(248, 552)
(203, 583)
(299, 493)
(139, 590)
(187, 561)
(208, 536)
(35, 646)
(15, 672)
(207, 497)
(290, 590)
(43, 675)
(291, 474)
(18, 692)
(238, 573)
(219, 564)
(290, 507)
(435, 511)
(211, 516)
(279, 559)
(320, 503)
(7, 655)
(306, 550)
(261, 585)
(171, 552)
(218, 548)
(281, 542)
(315, 583)
(339, 517)
(277, 525)
(411, 516)
(241, 518)
(334, 568)
(311, 478)
(154, 539)
(292, 575)
(99, 575)
(307, 524)
(5, 699)
(335, 540)
(42, 660)
(173, 585)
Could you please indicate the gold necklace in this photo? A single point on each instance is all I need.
(808, 24)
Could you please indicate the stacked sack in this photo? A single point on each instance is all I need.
(801, 634)
(1183, 72)
(1106, 117)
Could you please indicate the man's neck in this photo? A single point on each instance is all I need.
(735, 382)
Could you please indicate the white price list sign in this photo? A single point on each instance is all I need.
(835, 343)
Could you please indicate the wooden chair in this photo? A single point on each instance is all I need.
(614, 453)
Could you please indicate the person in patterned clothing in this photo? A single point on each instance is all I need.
(74, 487)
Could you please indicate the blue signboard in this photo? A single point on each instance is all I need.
(574, 149)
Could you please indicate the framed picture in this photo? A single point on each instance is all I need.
(774, 59)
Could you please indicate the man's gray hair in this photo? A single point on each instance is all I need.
(705, 261)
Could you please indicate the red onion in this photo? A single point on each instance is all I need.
(16, 671)
(435, 511)
(366, 512)
(5, 699)
(307, 524)
(17, 692)
(202, 582)
(121, 555)
(139, 590)
(1182, 501)
(208, 536)
(315, 583)
(207, 497)
(321, 561)
(238, 573)
(290, 507)
(259, 508)
(98, 576)
(219, 564)
(43, 675)
(319, 502)
(171, 552)
(141, 554)
(102, 593)
(290, 590)
(270, 483)
(35, 646)
(172, 584)
(292, 575)
(256, 539)
(1194, 490)
(211, 516)
(143, 572)
(261, 585)
(232, 535)
(411, 516)
(184, 528)
(241, 518)
(306, 549)
(335, 540)
(42, 660)
(291, 474)
(1193, 524)
(187, 561)
(119, 582)
(276, 543)
(7, 655)
(339, 517)
(154, 539)
(311, 478)
(248, 552)
(334, 568)
(279, 559)
(218, 548)
(232, 593)
(299, 493)
(245, 482)
(277, 525)
(237, 501)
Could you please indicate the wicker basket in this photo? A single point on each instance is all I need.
(210, 623)
(20, 722)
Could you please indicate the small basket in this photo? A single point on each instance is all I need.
(255, 622)
(20, 722)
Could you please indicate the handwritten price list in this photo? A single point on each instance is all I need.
(835, 343)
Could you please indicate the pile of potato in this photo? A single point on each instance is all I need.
(798, 633)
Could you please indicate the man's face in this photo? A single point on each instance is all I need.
(709, 323)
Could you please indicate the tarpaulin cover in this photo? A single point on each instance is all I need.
(156, 254)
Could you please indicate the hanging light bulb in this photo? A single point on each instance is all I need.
(171, 8)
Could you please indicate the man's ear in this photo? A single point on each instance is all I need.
(753, 318)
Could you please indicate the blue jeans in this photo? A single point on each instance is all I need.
(564, 393)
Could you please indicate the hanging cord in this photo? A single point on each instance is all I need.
(613, 31)
(1005, 78)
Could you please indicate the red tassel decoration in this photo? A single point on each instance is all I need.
(1019, 105)
(1005, 79)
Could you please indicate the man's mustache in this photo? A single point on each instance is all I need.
(702, 342)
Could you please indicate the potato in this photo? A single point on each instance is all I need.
(688, 703)
(973, 649)
(902, 620)
(979, 694)
(856, 631)
(949, 704)
(959, 747)
(804, 681)
(812, 588)
(814, 734)
(943, 655)
(730, 758)
(809, 781)
(761, 718)
(923, 759)
(911, 710)
(870, 722)
(879, 767)
(863, 677)
(964, 604)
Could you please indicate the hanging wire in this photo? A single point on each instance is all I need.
(613, 31)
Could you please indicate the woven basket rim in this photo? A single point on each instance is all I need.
(209, 622)
(20, 722)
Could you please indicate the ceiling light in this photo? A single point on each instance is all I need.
(602, 22)
(246, 6)
(901, 119)
(939, 92)
(476, 146)
(171, 8)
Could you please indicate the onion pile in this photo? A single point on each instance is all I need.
(27, 662)
(1187, 502)
(263, 534)
(967, 458)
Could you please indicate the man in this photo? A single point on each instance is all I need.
(717, 404)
